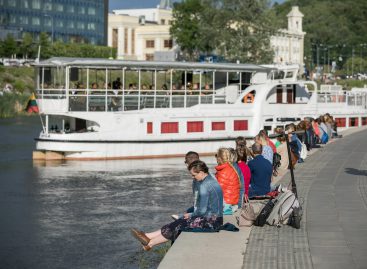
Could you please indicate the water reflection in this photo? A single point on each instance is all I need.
(78, 214)
(87, 208)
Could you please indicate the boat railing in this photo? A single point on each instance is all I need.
(131, 99)
(348, 98)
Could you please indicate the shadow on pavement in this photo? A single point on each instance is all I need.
(357, 172)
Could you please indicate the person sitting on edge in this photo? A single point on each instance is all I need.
(267, 151)
(190, 157)
(261, 172)
(207, 215)
(233, 159)
(241, 150)
(264, 133)
(229, 181)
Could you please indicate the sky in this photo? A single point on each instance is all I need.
(126, 4)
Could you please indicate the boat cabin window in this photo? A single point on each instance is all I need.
(51, 78)
(278, 74)
(289, 74)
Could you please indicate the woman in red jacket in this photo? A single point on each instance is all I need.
(229, 181)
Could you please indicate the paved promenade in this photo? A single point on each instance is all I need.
(332, 184)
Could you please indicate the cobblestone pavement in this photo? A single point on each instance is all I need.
(332, 184)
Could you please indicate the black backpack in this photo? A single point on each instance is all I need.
(276, 163)
(264, 214)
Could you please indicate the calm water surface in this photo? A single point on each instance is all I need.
(78, 214)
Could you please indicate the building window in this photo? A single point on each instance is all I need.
(114, 38)
(59, 7)
(12, 3)
(133, 41)
(125, 41)
(36, 4)
(47, 6)
(81, 10)
(47, 22)
(364, 121)
(12, 19)
(91, 11)
(71, 24)
(149, 57)
(149, 127)
(80, 25)
(70, 9)
(240, 125)
(195, 126)
(149, 43)
(169, 127)
(25, 4)
(163, 21)
(91, 26)
(59, 23)
(35, 21)
(168, 43)
(218, 126)
(23, 20)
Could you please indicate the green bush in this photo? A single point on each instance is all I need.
(12, 105)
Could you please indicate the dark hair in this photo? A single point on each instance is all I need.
(191, 156)
(198, 166)
(257, 148)
(241, 149)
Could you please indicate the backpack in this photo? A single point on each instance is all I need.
(264, 213)
(283, 208)
(276, 163)
(324, 138)
(303, 154)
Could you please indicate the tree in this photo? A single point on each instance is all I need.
(185, 28)
(245, 33)
(45, 45)
(235, 29)
(9, 46)
(27, 46)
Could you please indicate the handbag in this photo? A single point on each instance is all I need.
(247, 214)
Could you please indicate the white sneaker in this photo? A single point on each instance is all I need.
(175, 217)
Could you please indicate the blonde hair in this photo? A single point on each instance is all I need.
(233, 155)
(261, 140)
(223, 155)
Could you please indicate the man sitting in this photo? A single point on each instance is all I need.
(261, 172)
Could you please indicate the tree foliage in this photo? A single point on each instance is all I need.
(28, 48)
(339, 25)
(235, 29)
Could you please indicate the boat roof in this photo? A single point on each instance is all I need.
(103, 63)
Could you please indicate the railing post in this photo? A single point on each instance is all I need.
(200, 87)
(139, 88)
(87, 89)
(170, 96)
(106, 82)
(123, 90)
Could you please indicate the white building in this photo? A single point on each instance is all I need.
(288, 44)
(143, 34)
(139, 34)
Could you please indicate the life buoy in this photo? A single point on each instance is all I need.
(248, 98)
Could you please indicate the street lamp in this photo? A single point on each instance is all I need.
(52, 26)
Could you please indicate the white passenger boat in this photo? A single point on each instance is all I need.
(111, 109)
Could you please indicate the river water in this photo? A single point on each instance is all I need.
(77, 214)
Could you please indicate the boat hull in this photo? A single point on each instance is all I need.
(110, 150)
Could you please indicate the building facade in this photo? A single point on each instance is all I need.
(82, 21)
(141, 34)
(288, 44)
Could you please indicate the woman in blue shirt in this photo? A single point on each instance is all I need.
(207, 214)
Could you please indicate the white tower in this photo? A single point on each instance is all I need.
(165, 4)
(295, 20)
